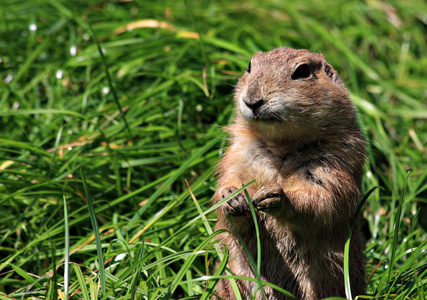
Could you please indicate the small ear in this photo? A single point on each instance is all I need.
(332, 74)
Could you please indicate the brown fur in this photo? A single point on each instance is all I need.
(297, 136)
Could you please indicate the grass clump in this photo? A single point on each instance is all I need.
(134, 94)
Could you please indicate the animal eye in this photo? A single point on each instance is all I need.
(249, 68)
(303, 71)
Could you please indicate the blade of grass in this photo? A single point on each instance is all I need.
(396, 227)
(30, 279)
(220, 269)
(95, 228)
(81, 280)
(93, 289)
(257, 235)
(199, 209)
(67, 249)
(347, 244)
(136, 278)
(110, 84)
(52, 292)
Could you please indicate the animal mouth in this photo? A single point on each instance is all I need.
(261, 117)
(265, 119)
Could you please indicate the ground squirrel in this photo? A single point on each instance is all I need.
(295, 133)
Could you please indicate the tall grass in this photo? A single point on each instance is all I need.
(135, 94)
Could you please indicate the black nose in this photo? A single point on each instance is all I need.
(254, 104)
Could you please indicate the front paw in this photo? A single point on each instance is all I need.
(237, 205)
(269, 199)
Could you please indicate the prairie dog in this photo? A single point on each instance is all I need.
(295, 133)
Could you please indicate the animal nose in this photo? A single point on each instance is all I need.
(254, 104)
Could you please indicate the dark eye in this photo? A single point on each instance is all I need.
(303, 71)
(249, 68)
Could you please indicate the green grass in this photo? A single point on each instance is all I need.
(116, 133)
